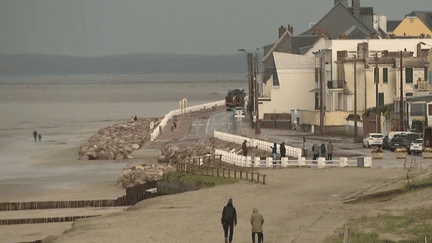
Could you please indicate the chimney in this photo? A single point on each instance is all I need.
(344, 2)
(356, 8)
(419, 50)
(291, 29)
(281, 31)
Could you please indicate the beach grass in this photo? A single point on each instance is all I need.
(412, 226)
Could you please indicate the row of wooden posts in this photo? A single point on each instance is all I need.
(207, 167)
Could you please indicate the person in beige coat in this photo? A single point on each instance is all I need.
(257, 220)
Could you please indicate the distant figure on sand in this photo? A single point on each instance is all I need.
(257, 220)
(40, 137)
(229, 220)
(35, 135)
(244, 148)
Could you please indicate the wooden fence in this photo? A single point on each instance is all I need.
(207, 167)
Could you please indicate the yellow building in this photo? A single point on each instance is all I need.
(417, 23)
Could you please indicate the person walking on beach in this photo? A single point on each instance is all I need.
(323, 150)
(40, 137)
(244, 148)
(315, 150)
(257, 220)
(282, 149)
(330, 151)
(229, 220)
(35, 135)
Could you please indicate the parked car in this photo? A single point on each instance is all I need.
(416, 146)
(397, 142)
(411, 137)
(386, 143)
(373, 139)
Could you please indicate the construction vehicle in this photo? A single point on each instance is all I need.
(235, 98)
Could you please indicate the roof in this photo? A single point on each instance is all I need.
(338, 21)
(299, 43)
(356, 33)
(363, 10)
(424, 16)
(281, 45)
(392, 24)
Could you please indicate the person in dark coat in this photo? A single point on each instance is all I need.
(274, 150)
(330, 151)
(282, 149)
(35, 135)
(40, 137)
(323, 150)
(315, 150)
(244, 148)
(257, 220)
(229, 220)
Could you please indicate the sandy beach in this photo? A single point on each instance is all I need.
(67, 110)
(298, 205)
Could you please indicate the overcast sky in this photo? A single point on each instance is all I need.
(99, 27)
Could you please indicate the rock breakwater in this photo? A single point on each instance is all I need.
(134, 175)
(117, 141)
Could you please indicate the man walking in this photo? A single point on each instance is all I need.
(282, 149)
(35, 135)
(315, 151)
(330, 151)
(257, 220)
(229, 220)
(244, 148)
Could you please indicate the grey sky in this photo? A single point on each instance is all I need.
(100, 27)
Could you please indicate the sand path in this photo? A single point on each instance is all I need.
(299, 205)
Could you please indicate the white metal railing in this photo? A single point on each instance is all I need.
(263, 145)
(177, 112)
(248, 161)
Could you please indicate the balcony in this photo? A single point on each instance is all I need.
(335, 84)
(423, 86)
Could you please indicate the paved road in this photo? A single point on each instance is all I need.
(204, 126)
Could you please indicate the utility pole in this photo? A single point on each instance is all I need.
(355, 97)
(376, 81)
(255, 73)
(321, 96)
(401, 123)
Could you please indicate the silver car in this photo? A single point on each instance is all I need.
(417, 146)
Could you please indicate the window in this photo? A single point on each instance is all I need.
(409, 75)
(376, 75)
(385, 75)
(408, 94)
(426, 72)
(381, 99)
(316, 75)
(316, 101)
(418, 109)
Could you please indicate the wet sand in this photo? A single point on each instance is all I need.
(67, 111)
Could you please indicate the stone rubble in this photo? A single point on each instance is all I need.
(133, 175)
(117, 141)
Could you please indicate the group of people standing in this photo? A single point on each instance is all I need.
(321, 151)
(36, 135)
(229, 220)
